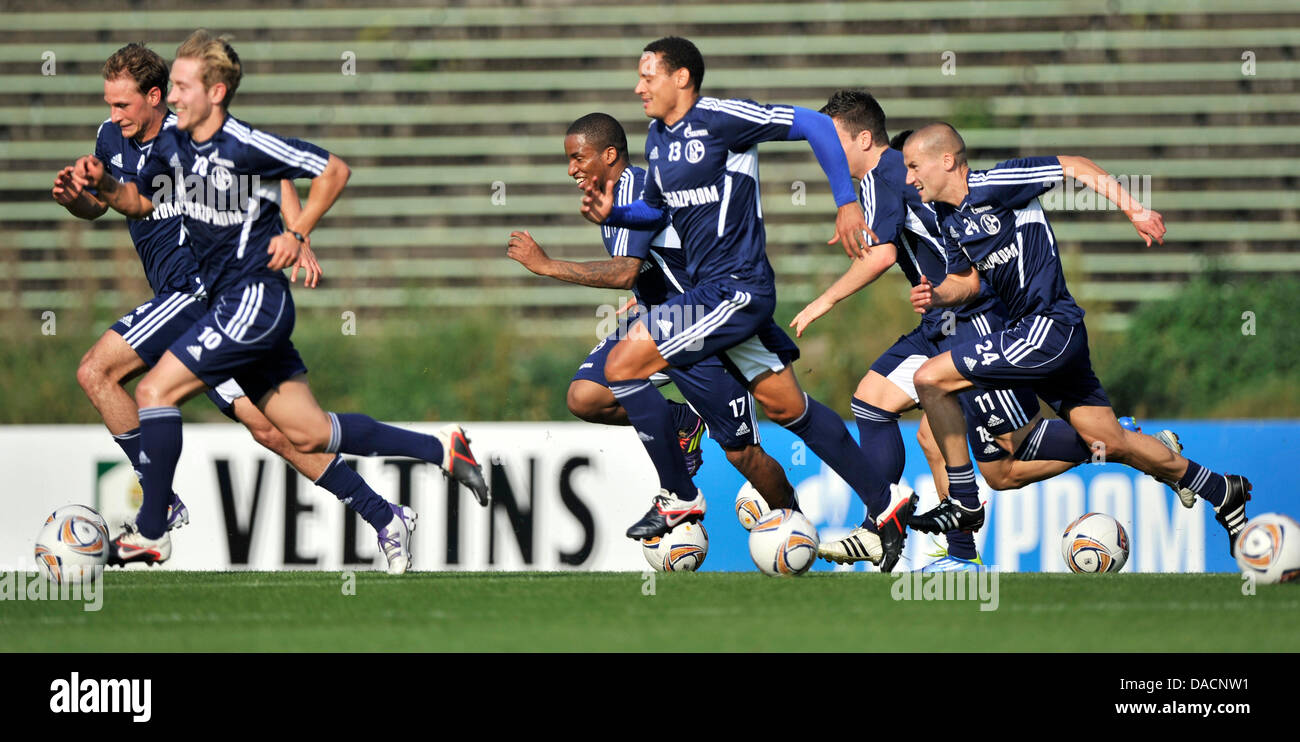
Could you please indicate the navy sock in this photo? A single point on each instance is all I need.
(363, 435)
(1053, 440)
(341, 481)
(962, 487)
(160, 449)
(961, 545)
(882, 443)
(1205, 483)
(683, 416)
(129, 442)
(825, 434)
(650, 414)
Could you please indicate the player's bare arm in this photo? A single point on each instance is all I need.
(861, 272)
(290, 209)
(1149, 223)
(954, 290)
(325, 190)
(69, 193)
(285, 248)
(615, 273)
(122, 197)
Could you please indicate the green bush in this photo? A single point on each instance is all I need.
(1223, 347)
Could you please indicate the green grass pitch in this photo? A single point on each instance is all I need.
(609, 612)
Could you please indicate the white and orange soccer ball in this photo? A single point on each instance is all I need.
(1095, 542)
(1269, 548)
(71, 544)
(783, 543)
(681, 550)
(750, 506)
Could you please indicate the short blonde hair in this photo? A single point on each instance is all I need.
(220, 63)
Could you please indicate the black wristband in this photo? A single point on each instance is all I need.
(298, 235)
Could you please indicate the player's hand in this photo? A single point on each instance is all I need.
(816, 308)
(1150, 225)
(66, 188)
(90, 172)
(922, 295)
(852, 232)
(311, 270)
(627, 307)
(523, 249)
(284, 250)
(597, 200)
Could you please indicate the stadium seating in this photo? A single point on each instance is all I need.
(453, 120)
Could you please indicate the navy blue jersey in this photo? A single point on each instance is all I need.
(168, 266)
(663, 267)
(1001, 229)
(229, 191)
(705, 173)
(894, 211)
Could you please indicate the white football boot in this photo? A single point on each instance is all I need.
(860, 545)
(1170, 441)
(395, 539)
(133, 548)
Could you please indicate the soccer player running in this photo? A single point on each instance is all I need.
(213, 164)
(996, 418)
(653, 265)
(135, 79)
(999, 233)
(703, 160)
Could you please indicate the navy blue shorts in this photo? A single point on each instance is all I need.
(993, 412)
(988, 412)
(715, 392)
(244, 336)
(728, 321)
(1045, 354)
(152, 327)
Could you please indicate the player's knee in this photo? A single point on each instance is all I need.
(90, 375)
(148, 393)
(583, 406)
(928, 378)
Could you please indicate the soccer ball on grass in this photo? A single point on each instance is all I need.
(783, 543)
(680, 550)
(73, 541)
